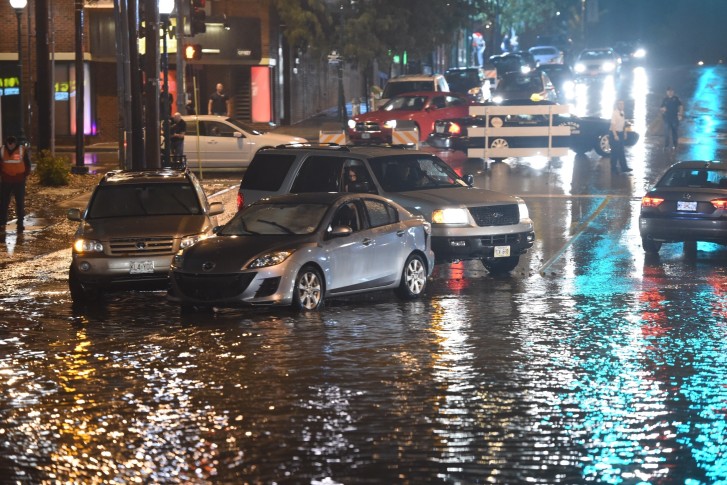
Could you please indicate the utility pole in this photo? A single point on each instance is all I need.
(79, 167)
(151, 89)
(135, 138)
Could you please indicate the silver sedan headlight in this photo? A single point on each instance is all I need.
(270, 259)
(579, 68)
(450, 216)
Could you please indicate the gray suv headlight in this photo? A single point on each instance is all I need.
(524, 213)
(450, 216)
(87, 246)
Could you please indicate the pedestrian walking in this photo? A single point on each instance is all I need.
(618, 138)
(672, 110)
(177, 131)
(220, 103)
(14, 170)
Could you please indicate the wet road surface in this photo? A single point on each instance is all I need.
(589, 363)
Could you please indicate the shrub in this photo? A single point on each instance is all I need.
(52, 170)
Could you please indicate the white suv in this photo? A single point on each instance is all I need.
(412, 82)
(467, 222)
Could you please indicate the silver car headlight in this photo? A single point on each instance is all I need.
(579, 67)
(270, 259)
(188, 241)
(450, 216)
(178, 260)
(609, 66)
(87, 246)
(390, 124)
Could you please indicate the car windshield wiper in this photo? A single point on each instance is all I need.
(279, 226)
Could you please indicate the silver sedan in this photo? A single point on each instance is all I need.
(300, 249)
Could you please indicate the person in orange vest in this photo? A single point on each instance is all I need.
(14, 171)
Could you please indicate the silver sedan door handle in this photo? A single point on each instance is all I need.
(400, 232)
(367, 241)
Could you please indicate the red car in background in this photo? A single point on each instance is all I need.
(421, 107)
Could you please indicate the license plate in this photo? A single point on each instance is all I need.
(502, 251)
(139, 267)
(439, 129)
(365, 136)
(683, 205)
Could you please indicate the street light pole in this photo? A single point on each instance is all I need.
(19, 5)
(165, 10)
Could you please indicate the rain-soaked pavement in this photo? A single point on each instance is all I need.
(590, 363)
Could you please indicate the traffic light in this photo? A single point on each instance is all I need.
(197, 16)
(192, 52)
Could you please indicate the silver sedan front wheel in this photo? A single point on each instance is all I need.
(308, 290)
(413, 278)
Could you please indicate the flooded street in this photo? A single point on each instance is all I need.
(591, 362)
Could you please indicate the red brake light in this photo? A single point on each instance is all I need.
(719, 203)
(454, 129)
(240, 200)
(648, 201)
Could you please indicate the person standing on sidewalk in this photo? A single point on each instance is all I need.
(618, 138)
(177, 131)
(672, 110)
(14, 170)
(220, 103)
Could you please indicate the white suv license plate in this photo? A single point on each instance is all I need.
(502, 251)
(140, 267)
(683, 205)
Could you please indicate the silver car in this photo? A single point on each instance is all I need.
(299, 250)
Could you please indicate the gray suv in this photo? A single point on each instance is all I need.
(467, 222)
(135, 222)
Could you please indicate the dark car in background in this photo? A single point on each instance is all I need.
(688, 204)
(587, 132)
(563, 80)
(535, 85)
(520, 61)
(470, 80)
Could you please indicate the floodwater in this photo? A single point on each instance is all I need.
(589, 363)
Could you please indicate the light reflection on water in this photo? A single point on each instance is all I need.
(502, 380)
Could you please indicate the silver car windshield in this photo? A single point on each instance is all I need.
(244, 126)
(144, 200)
(275, 219)
(402, 174)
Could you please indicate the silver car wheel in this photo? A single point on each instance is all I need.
(308, 289)
(413, 278)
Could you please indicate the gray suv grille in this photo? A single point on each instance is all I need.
(150, 246)
(497, 215)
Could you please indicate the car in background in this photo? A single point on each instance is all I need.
(563, 80)
(521, 61)
(632, 53)
(587, 132)
(133, 225)
(688, 204)
(298, 250)
(468, 223)
(535, 85)
(219, 142)
(547, 54)
(421, 108)
(470, 80)
(412, 82)
(597, 62)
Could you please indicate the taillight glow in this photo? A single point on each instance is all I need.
(454, 129)
(648, 201)
(240, 201)
(719, 203)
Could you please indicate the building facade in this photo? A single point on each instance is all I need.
(243, 48)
